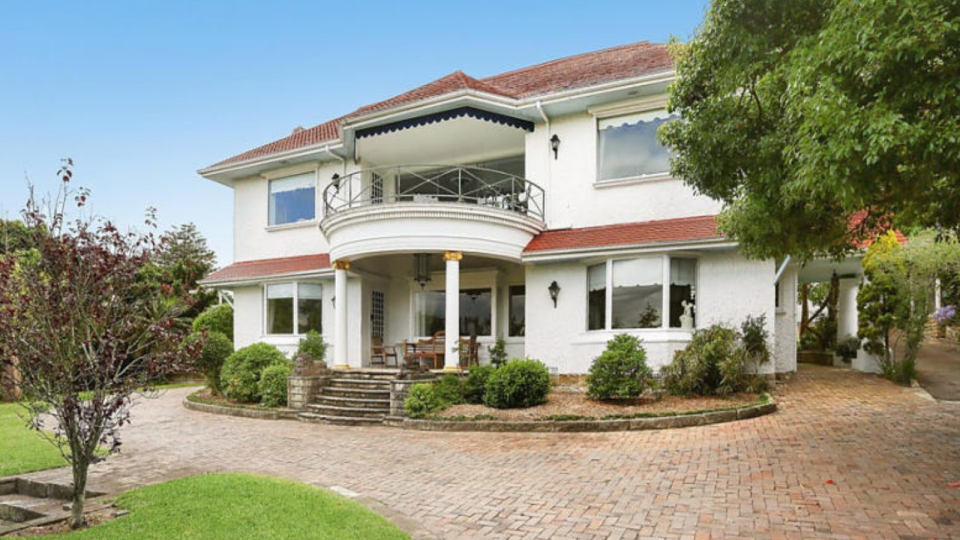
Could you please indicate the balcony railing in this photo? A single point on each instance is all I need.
(435, 184)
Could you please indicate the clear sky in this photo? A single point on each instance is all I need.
(142, 94)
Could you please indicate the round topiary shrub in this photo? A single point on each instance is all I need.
(312, 346)
(450, 389)
(621, 372)
(273, 385)
(216, 319)
(516, 384)
(214, 353)
(241, 373)
(476, 383)
(422, 400)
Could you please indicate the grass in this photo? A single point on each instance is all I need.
(23, 450)
(231, 506)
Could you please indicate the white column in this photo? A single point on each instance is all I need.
(340, 314)
(452, 323)
(847, 316)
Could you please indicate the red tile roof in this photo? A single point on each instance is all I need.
(246, 270)
(857, 223)
(646, 232)
(580, 71)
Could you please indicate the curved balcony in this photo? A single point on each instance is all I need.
(435, 183)
(424, 208)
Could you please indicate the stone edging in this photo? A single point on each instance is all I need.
(281, 414)
(570, 426)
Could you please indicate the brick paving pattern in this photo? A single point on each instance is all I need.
(847, 456)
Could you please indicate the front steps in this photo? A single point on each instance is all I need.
(353, 397)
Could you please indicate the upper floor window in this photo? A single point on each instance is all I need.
(628, 146)
(294, 306)
(293, 199)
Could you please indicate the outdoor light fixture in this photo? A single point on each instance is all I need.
(421, 268)
(555, 145)
(554, 292)
(333, 300)
(335, 180)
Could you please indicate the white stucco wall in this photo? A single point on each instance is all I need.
(574, 199)
(785, 352)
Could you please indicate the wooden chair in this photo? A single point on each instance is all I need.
(383, 352)
(469, 352)
(430, 350)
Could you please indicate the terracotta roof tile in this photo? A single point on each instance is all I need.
(269, 267)
(646, 232)
(589, 69)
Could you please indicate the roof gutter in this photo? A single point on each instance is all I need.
(781, 270)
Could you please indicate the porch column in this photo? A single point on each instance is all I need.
(452, 323)
(340, 268)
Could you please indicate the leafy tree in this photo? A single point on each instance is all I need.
(182, 258)
(85, 337)
(896, 299)
(815, 121)
(14, 237)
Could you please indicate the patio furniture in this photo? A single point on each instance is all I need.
(383, 352)
(469, 352)
(428, 350)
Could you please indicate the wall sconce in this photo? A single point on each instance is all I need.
(555, 145)
(335, 180)
(333, 300)
(554, 293)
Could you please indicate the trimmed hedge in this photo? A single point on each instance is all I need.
(476, 383)
(517, 384)
(216, 319)
(215, 352)
(621, 371)
(273, 385)
(240, 376)
(423, 400)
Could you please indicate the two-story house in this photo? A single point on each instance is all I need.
(536, 205)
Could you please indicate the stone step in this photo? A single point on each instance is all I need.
(349, 412)
(367, 374)
(361, 403)
(353, 392)
(338, 420)
(373, 384)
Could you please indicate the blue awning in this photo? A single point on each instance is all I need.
(471, 112)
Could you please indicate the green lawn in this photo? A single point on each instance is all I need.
(233, 506)
(22, 449)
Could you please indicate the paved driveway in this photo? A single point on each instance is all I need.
(847, 456)
(938, 368)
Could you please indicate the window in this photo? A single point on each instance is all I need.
(517, 315)
(639, 291)
(628, 146)
(597, 297)
(293, 199)
(282, 318)
(475, 313)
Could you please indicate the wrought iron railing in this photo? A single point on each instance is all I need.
(434, 184)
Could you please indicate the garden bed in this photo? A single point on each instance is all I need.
(204, 401)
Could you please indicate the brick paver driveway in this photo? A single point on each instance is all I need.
(847, 456)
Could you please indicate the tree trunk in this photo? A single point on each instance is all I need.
(804, 308)
(80, 467)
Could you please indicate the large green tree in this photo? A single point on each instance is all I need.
(817, 121)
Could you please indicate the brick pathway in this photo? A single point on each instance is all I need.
(890, 453)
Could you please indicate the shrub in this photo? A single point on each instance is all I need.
(422, 400)
(216, 319)
(518, 383)
(273, 385)
(313, 347)
(498, 352)
(449, 389)
(848, 347)
(214, 353)
(754, 338)
(241, 372)
(476, 383)
(620, 371)
(717, 361)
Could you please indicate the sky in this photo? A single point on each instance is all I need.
(143, 94)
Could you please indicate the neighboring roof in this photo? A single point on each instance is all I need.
(263, 268)
(580, 71)
(646, 232)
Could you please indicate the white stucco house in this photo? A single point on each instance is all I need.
(534, 204)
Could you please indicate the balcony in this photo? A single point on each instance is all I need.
(417, 208)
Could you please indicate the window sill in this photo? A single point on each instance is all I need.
(288, 226)
(650, 335)
(632, 180)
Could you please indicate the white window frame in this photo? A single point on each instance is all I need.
(287, 172)
(296, 303)
(665, 303)
(605, 113)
